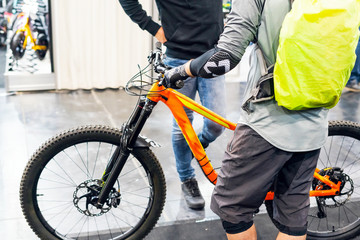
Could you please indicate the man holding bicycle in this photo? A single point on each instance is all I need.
(272, 147)
(189, 29)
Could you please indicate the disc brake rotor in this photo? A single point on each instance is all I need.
(85, 193)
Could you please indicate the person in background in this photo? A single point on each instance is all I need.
(188, 29)
(353, 84)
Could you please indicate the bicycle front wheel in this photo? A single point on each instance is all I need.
(67, 169)
(17, 45)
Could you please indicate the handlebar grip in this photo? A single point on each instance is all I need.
(179, 84)
(158, 45)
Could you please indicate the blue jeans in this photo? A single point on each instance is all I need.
(212, 96)
(355, 73)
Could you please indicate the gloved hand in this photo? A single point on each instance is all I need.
(174, 78)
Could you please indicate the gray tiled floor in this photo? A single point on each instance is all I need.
(28, 119)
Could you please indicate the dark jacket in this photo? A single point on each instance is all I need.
(191, 26)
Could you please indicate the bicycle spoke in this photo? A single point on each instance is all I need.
(63, 207)
(78, 236)
(326, 219)
(136, 168)
(138, 195)
(318, 228)
(122, 220)
(134, 180)
(133, 204)
(74, 225)
(82, 160)
(107, 221)
(97, 228)
(63, 170)
(63, 219)
(346, 157)
(117, 223)
(74, 162)
(96, 159)
(328, 155)
(347, 217)
(338, 155)
(351, 211)
(67, 185)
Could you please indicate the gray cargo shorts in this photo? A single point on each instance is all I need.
(251, 167)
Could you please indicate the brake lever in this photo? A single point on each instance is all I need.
(161, 68)
(162, 80)
(151, 57)
(161, 73)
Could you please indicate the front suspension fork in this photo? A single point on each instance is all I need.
(130, 134)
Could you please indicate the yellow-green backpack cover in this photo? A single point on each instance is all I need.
(316, 53)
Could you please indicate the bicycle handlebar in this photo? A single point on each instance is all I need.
(156, 58)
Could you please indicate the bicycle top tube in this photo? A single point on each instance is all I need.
(160, 93)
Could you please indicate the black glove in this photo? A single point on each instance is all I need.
(174, 78)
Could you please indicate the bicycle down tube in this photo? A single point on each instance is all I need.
(176, 101)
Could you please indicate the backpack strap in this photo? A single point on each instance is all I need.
(264, 89)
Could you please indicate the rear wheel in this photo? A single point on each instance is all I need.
(63, 176)
(339, 216)
(43, 42)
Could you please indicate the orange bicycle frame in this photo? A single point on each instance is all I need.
(176, 103)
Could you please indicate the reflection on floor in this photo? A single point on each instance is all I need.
(28, 119)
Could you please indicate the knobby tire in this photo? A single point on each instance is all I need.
(63, 171)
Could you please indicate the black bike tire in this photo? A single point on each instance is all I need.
(41, 41)
(101, 133)
(16, 42)
(339, 128)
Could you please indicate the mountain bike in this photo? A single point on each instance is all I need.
(99, 182)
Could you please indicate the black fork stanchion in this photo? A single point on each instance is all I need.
(130, 134)
(125, 130)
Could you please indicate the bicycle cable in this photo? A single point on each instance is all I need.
(140, 84)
